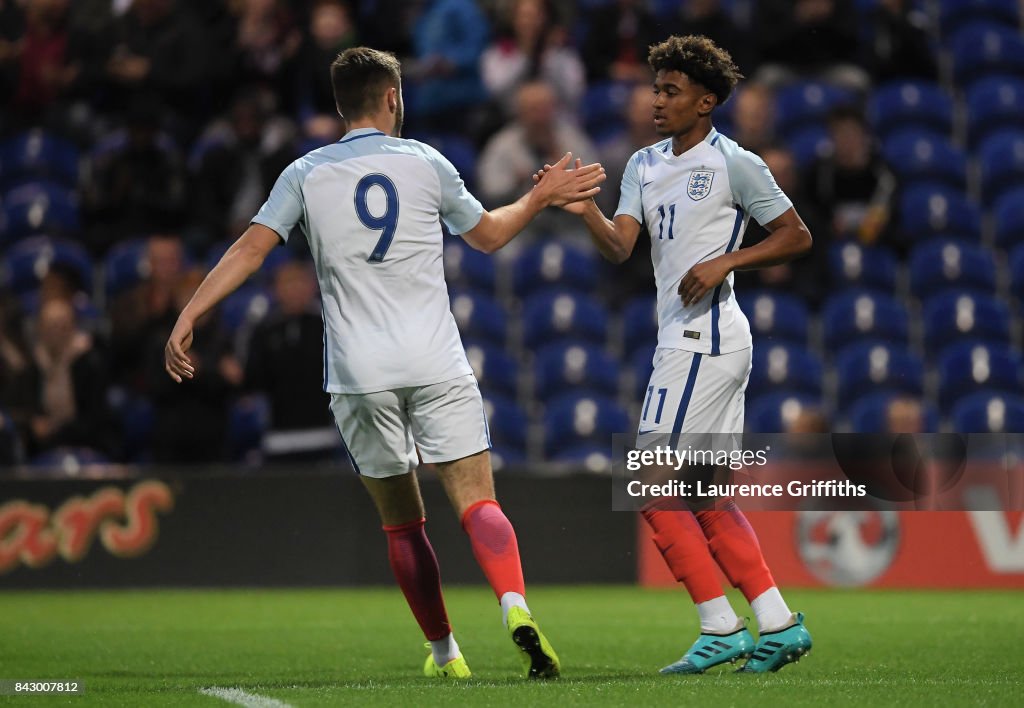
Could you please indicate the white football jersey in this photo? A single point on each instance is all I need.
(370, 206)
(696, 206)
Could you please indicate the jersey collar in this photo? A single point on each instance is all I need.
(359, 133)
(710, 139)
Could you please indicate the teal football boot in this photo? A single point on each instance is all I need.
(714, 649)
(780, 647)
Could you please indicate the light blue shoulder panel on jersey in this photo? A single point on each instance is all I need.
(629, 191)
(284, 207)
(753, 187)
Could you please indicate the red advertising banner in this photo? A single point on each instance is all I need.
(905, 549)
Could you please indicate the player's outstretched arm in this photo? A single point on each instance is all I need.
(560, 187)
(788, 238)
(616, 239)
(241, 260)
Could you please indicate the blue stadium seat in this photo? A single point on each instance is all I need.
(988, 412)
(460, 152)
(602, 107)
(248, 420)
(125, 266)
(1009, 218)
(494, 369)
(641, 365)
(38, 208)
(983, 49)
(969, 366)
(860, 315)
(802, 104)
(70, 459)
(468, 267)
(774, 412)
(137, 418)
(958, 13)
(868, 414)
(949, 264)
(865, 367)
(808, 144)
(576, 418)
(246, 307)
(951, 316)
(1017, 272)
(507, 423)
(560, 368)
(781, 367)
(504, 457)
(548, 317)
(776, 317)
(917, 105)
(1001, 162)
(480, 316)
(37, 155)
(993, 104)
(921, 156)
(554, 265)
(28, 261)
(929, 210)
(639, 324)
(851, 265)
(593, 457)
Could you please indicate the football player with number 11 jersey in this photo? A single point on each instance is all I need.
(695, 191)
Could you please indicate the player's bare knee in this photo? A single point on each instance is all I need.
(467, 480)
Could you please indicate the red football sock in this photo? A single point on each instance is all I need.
(415, 567)
(495, 546)
(734, 545)
(682, 544)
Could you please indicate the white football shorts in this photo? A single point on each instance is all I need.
(383, 430)
(692, 393)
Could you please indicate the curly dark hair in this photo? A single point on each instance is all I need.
(703, 62)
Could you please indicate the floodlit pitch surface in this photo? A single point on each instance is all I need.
(361, 647)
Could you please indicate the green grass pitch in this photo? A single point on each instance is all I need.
(361, 647)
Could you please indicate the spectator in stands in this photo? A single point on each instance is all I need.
(285, 361)
(618, 35)
(42, 56)
(191, 420)
(266, 40)
(809, 39)
(754, 117)
(534, 48)
(450, 37)
(146, 312)
(537, 136)
(63, 389)
(158, 47)
(898, 47)
(805, 276)
(639, 119)
(905, 415)
(14, 356)
(136, 185)
(331, 31)
(707, 17)
(852, 185)
(809, 420)
(241, 158)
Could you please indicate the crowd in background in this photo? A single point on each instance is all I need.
(182, 113)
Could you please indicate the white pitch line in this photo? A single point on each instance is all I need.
(241, 698)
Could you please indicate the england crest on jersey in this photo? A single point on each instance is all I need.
(699, 185)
